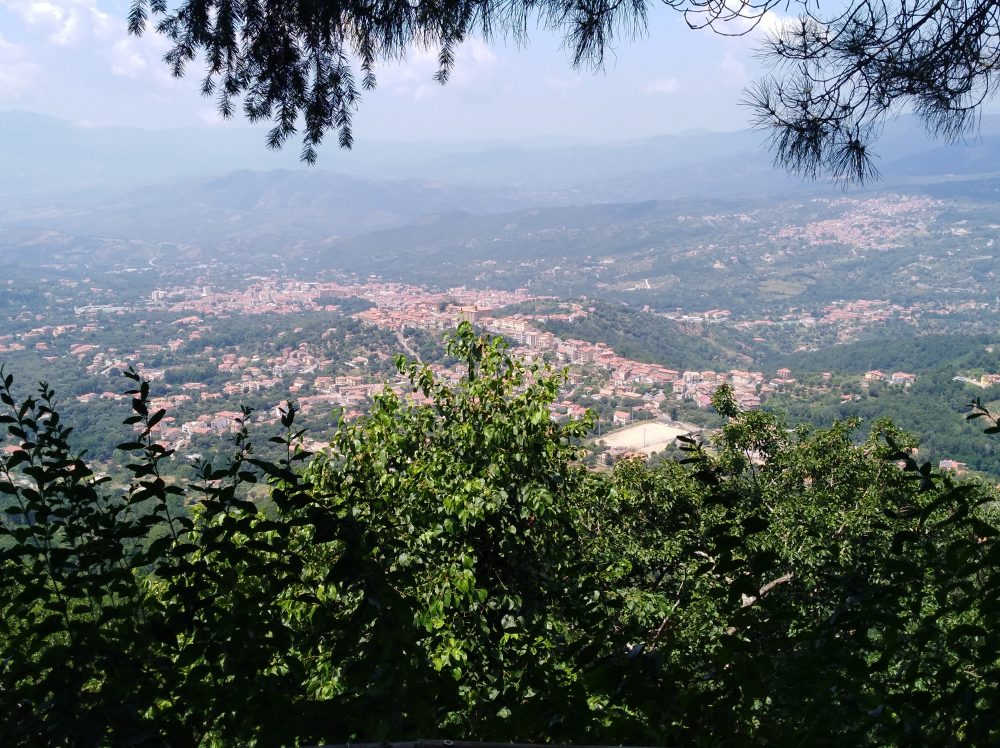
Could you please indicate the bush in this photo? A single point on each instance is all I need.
(448, 568)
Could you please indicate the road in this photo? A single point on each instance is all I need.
(406, 346)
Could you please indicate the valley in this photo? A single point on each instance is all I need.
(255, 288)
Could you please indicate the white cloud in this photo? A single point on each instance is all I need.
(106, 26)
(127, 60)
(740, 18)
(732, 71)
(479, 52)
(663, 86)
(17, 72)
(68, 34)
(140, 59)
(81, 24)
(772, 23)
(64, 22)
(413, 77)
(38, 13)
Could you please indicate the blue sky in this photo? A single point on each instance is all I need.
(73, 59)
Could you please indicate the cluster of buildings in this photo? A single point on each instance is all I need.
(304, 369)
(699, 386)
(871, 224)
(301, 369)
(693, 386)
(39, 337)
(901, 378)
(397, 305)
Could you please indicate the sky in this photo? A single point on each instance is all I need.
(73, 59)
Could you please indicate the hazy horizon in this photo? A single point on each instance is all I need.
(241, 126)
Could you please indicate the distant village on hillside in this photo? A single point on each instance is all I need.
(631, 390)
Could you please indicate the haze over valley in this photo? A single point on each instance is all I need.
(685, 252)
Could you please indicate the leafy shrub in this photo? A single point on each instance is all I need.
(447, 568)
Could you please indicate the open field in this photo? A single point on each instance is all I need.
(646, 437)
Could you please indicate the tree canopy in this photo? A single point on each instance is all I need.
(448, 568)
(837, 73)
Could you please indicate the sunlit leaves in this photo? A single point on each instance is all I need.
(449, 567)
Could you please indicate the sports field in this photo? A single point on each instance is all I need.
(646, 437)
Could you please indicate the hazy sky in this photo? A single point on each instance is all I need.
(73, 59)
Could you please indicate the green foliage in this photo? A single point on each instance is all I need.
(801, 598)
(932, 407)
(70, 597)
(298, 61)
(123, 622)
(466, 512)
(447, 567)
(647, 337)
(913, 353)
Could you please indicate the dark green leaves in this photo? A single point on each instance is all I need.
(449, 567)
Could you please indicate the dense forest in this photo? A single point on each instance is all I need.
(912, 353)
(931, 409)
(449, 569)
(647, 337)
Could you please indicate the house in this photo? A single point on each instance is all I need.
(954, 466)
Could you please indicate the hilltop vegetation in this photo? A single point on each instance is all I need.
(931, 409)
(914, 353)
(645, 337)
(449, 569)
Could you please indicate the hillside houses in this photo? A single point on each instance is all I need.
(900, 378)
(324, 371)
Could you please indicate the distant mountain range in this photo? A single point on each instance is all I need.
(219, 190)
(292, 205)
(43, 154)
